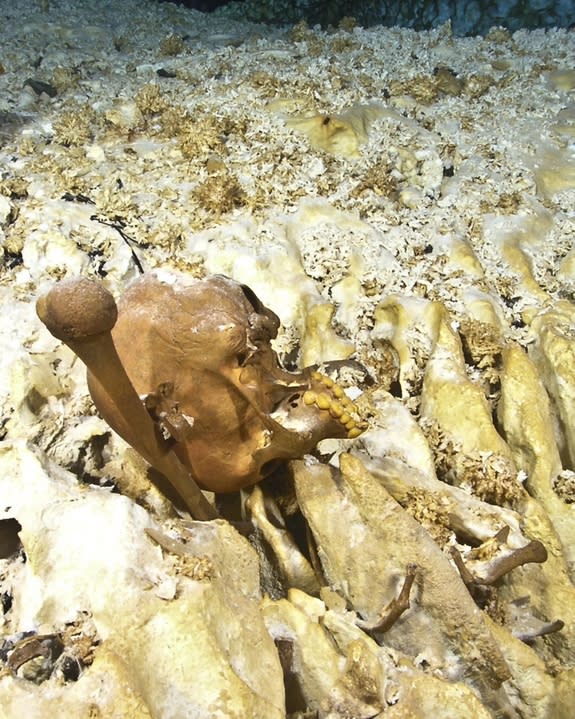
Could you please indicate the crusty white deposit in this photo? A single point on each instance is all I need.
(351, 177)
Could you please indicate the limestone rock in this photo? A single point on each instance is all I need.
(191, 646)
(366, 541)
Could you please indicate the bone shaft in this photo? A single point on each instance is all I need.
(137, 427)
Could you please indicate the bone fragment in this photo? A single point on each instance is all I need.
(391, 613)
(489, 571)
(295, 568)
(344, 673)
(531, 687)
(469, 517)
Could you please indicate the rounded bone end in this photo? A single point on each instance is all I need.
(77, 309)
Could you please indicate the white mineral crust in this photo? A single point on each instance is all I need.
(403, 199)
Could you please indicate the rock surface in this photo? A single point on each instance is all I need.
(422, 237)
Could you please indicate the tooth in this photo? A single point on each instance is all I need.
(323, 400)
(335, 409)
(309, 397)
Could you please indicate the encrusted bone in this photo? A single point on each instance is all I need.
(525, 625)
(495, 558)
(295, 568)
(469, 517)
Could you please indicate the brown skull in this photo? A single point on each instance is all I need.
(200, 357)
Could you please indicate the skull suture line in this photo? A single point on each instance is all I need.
(199, 357)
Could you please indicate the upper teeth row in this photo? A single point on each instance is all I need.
(337, 403)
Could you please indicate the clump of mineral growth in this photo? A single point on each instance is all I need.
(402, 201)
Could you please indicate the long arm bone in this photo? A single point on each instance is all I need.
(82, 313)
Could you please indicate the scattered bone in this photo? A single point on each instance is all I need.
(390, 614)
(525, 625)
(365, 540)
